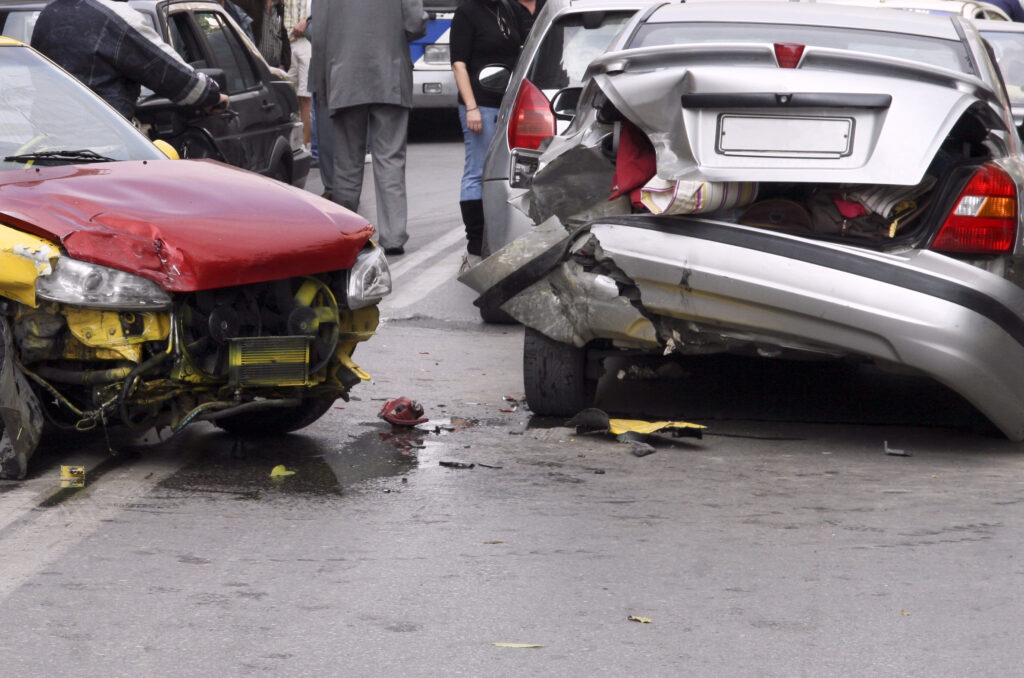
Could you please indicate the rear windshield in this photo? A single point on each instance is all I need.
(1008, 49)
(949, 54)
(569, 46)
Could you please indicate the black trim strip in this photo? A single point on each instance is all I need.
(810, 253)
(765, 241)
(785, 100)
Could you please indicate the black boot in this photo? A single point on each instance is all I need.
(473, 218)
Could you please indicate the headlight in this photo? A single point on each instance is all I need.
(79, 283)
(437, 55)
(369, 280)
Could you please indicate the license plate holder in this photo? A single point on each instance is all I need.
(784, 136)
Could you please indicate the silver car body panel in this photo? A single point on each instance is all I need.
(719, 287)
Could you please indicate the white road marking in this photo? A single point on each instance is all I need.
(410, 261)
(44, 535)
(424, 284)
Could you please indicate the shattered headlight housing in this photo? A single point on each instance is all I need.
(369, 279)
(79, 283)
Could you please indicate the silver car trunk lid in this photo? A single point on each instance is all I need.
(729, 113)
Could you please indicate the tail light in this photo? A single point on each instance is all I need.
(984, 219)
(531, 121)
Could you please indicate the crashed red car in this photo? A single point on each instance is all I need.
(149, 293)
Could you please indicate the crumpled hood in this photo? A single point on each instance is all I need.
(187, 225)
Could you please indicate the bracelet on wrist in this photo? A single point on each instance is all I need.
(475, 108)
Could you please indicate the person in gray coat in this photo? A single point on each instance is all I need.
(361, 72)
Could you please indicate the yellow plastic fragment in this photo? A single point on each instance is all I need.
(904, 613)
(280, 471)
(642, 620)
(72, 476)
(620, 426)
(519, 645)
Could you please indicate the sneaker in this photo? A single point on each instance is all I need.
(368, 158)
(468, 262)
(394, 251)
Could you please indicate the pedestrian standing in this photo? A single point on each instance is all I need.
(483, 33)
(296, 13)
(268, 27)
(362, 71)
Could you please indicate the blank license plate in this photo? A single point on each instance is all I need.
(785, 136)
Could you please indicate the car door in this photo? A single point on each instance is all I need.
(245, 133)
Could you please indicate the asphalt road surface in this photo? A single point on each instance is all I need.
(832, 521)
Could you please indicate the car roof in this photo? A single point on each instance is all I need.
(836, 15)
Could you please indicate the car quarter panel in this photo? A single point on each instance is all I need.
(947, 319)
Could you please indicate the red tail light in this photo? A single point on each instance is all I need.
(787, 54)
(531, 121)
(984, 219)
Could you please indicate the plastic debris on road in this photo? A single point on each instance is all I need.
(893, 452)
(642, 620)
(402, 412)
(517, 645)
(280, 471)
(72, 476)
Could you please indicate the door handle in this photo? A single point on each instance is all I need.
(267, 105)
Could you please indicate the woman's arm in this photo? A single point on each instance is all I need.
(473, 120)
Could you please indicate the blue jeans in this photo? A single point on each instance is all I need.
(476, 149)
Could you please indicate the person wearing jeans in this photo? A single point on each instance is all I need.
(483, 32)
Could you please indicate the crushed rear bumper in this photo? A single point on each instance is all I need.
(697, 286)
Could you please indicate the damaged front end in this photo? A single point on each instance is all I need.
(87, 346)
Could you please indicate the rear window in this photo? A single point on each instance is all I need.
(569, 46)
(949, 54)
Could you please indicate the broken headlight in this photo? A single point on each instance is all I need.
(369, 279)
(79, 283)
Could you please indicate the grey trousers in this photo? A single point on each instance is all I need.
(324, 145)
(387, 128)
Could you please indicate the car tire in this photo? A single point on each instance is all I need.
(276, 421)
(555, 376)
(196, 146)
(281, 173)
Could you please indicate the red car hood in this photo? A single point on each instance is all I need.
(185, 224)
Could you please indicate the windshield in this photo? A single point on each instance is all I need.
(1008, 49)
(44, 110)
(934, 51)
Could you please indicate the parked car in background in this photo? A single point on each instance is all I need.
(1007, 41)
(147, 293)
(261, 131)
(433, 82)
(790, 180)
(969, 9)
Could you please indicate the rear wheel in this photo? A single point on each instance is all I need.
(276, 421)
(555, 376)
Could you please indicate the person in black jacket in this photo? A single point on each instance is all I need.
(101, 44)
(483, 32)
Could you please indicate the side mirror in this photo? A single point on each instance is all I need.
(217, 75)
(563, 104)
(495, 77)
